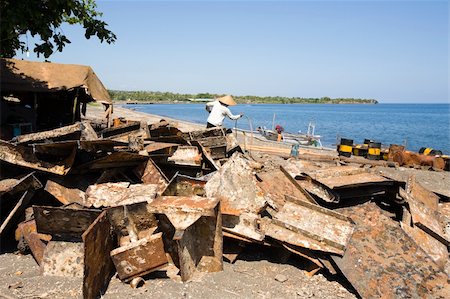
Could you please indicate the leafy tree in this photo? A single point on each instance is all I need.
(43, 18)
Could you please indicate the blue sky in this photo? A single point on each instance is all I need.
(392, 51)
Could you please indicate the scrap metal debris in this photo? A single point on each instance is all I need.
(137, 198)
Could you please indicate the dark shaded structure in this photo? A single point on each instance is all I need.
(38, 96)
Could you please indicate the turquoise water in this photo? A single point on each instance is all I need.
(419, 125)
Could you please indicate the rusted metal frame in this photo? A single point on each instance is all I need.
(307, 234)
(98, 240)
(300, 188)
(207, 157)
(24, 156)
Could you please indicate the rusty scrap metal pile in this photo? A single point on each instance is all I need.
(138, 198)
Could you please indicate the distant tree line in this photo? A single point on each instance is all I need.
(169, 97)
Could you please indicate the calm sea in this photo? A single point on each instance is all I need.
(417, 125)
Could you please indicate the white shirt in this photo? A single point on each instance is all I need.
(217, 113)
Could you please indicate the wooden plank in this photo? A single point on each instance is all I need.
(98, 242)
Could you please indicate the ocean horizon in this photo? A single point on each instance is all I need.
(415, 125)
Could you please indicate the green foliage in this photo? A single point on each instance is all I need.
(167, 97)
(43, 18)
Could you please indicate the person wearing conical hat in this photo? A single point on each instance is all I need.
(218, 110)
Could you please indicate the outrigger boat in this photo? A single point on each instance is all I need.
(308, 139)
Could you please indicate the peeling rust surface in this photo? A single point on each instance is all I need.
(185, 204)
(186, 155)
(63, 194)
(236, 185)
(381, 261)
(122, 193)
(63, 259)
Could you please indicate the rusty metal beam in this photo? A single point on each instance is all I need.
(98, 241)
(24, 156)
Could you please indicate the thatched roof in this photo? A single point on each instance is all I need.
(22, 75)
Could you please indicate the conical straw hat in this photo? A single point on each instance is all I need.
(228, 100)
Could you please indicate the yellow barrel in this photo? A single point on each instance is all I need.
(345, 147)
(374, 151)
(429, 151)
(360, 150)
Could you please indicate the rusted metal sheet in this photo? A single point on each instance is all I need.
(63, 194)
(116, 194)
(13, 186)
(68, 132)
(98, 242)
(381, 261)
(150, 173)
(63, 259)
(435, 249)
(347, 182)
(186, 155)
(140, 257)
(277, 183)
(310, 226)
(113, 160)
(182, 185)
(24, 156)
(64, 223)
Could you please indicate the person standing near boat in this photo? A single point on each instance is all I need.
(218, 110)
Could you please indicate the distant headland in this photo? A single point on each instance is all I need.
(137, 97)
